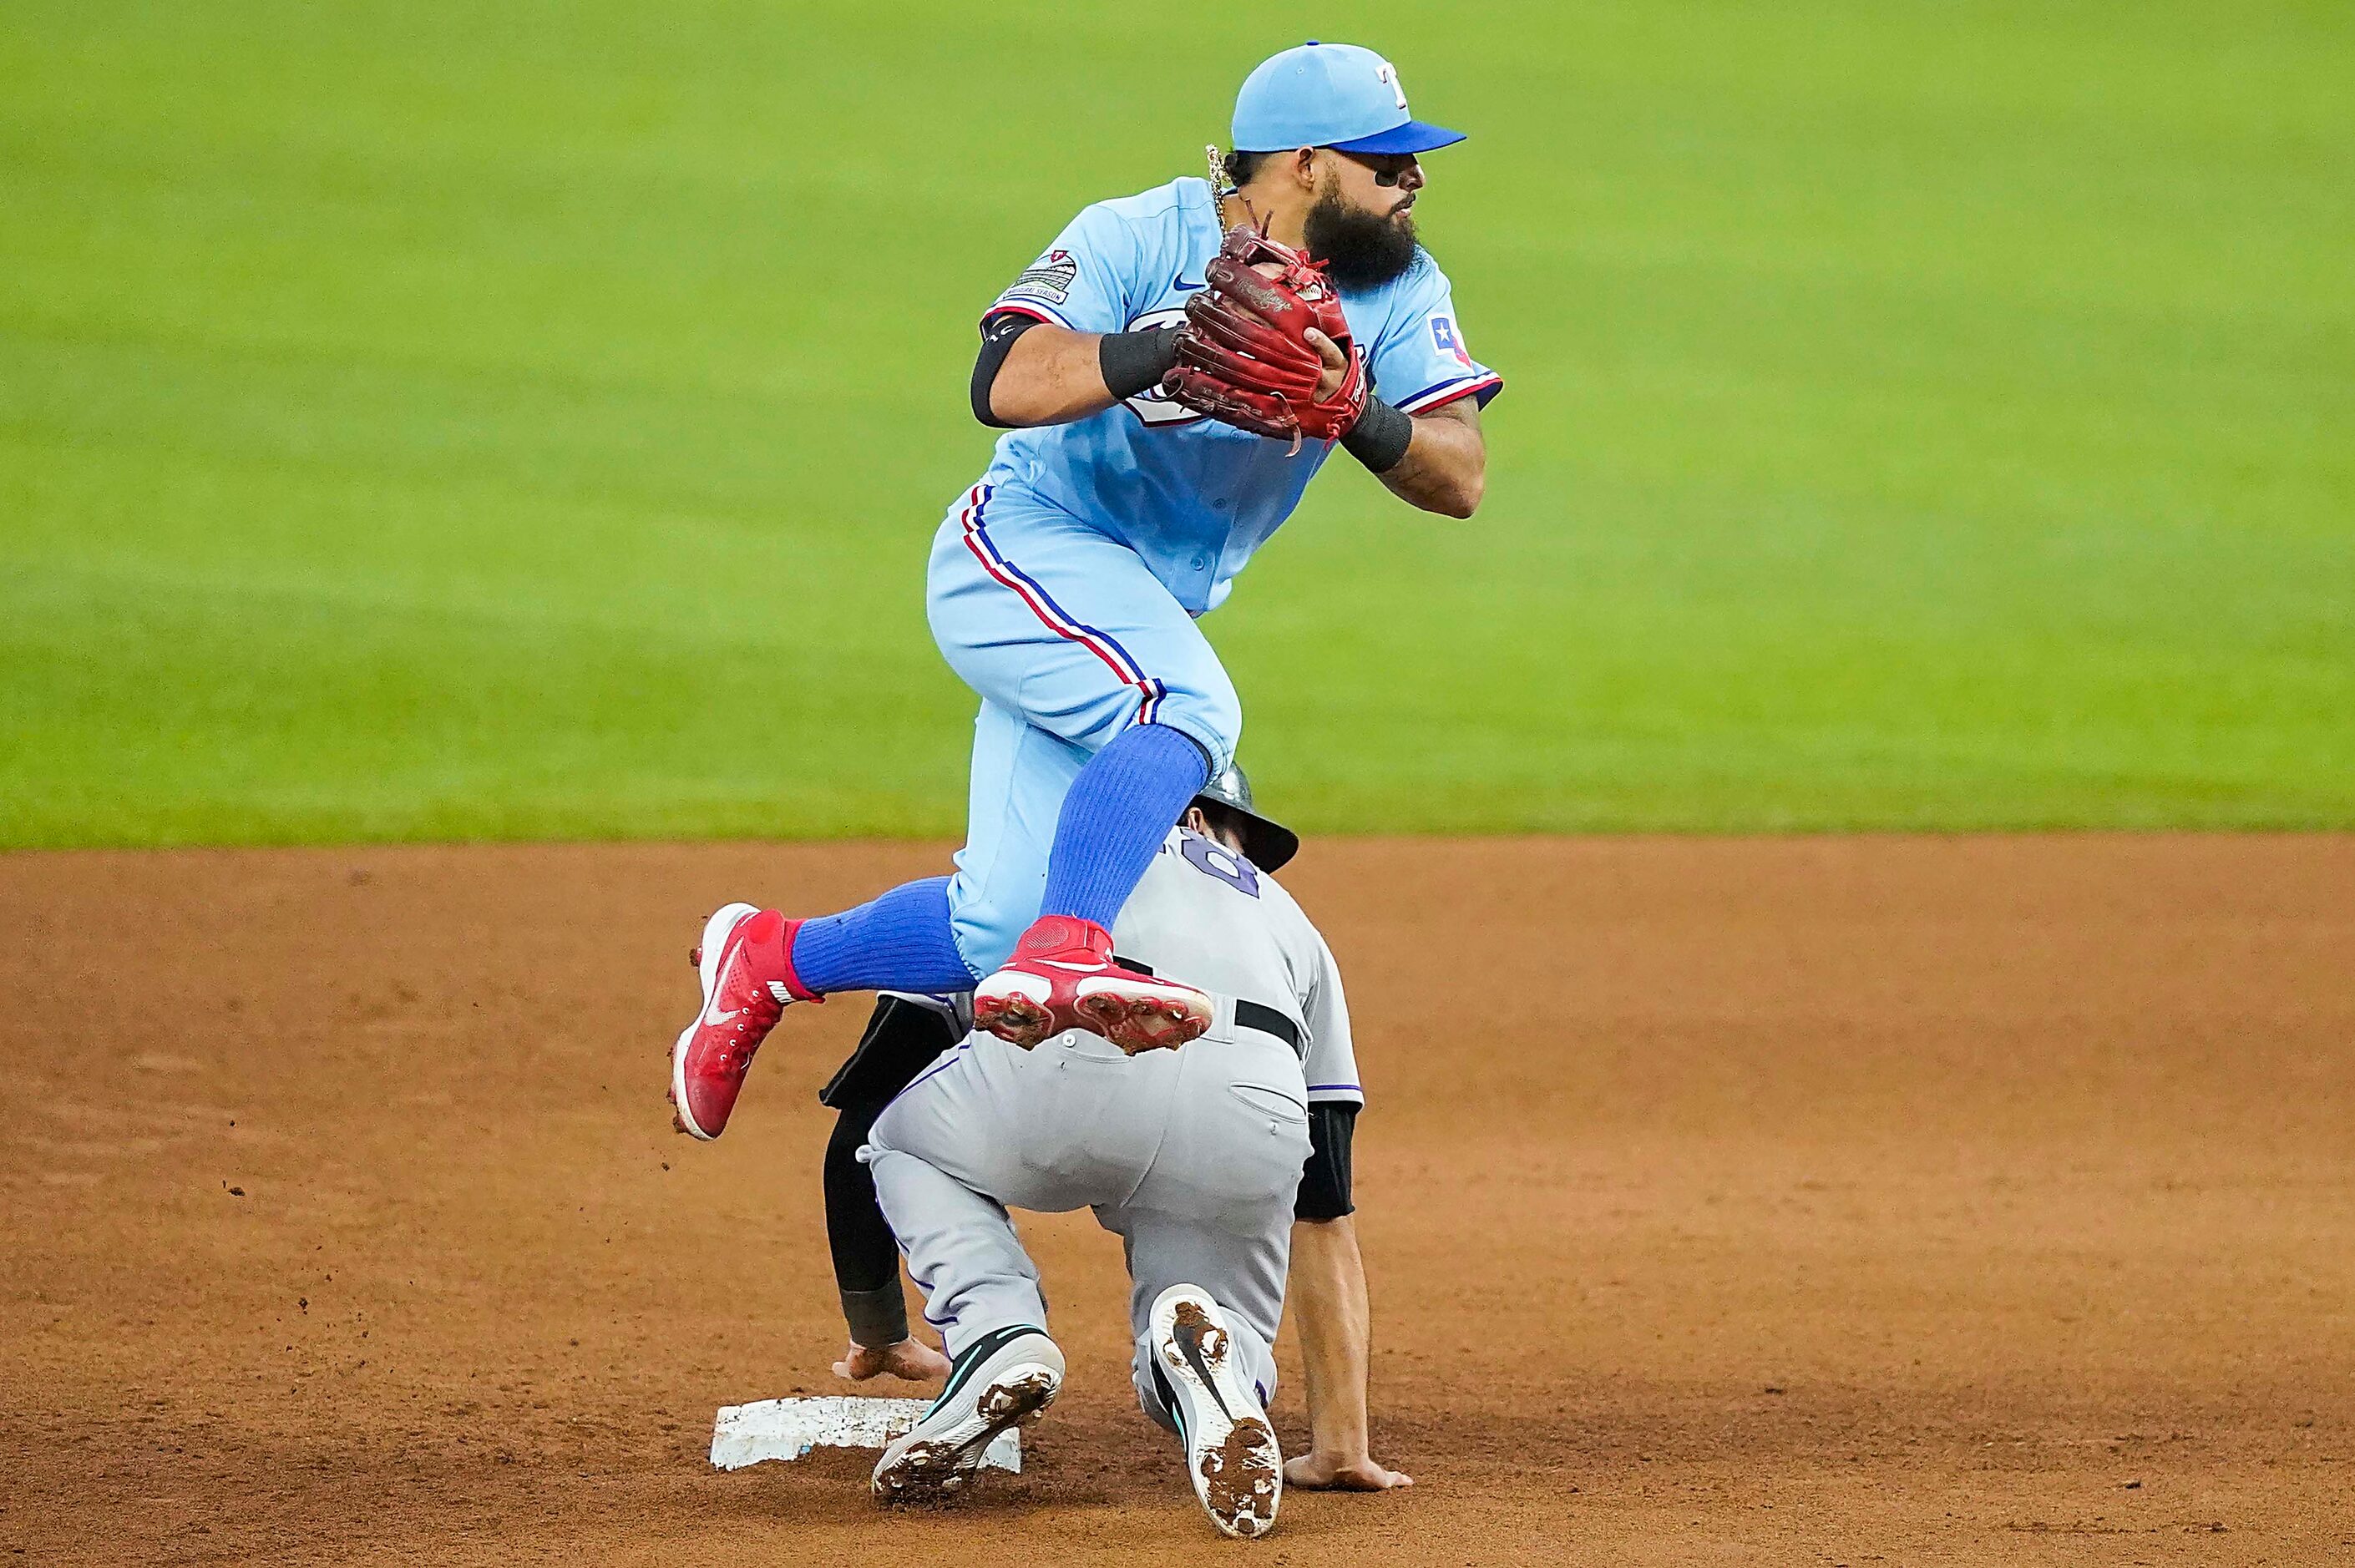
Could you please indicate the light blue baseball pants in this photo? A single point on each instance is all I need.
(1069, 639)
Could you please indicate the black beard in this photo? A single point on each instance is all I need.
(1360, 249)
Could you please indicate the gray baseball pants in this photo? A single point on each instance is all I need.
(1192, 1156)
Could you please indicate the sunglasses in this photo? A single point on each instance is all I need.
(1387, 169)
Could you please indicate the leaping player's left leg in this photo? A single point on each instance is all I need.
(1062, 974)
(1066, 627)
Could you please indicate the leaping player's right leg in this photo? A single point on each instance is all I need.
(755, 962)
(1099, 693)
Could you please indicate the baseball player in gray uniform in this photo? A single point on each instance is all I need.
(1194, 1157)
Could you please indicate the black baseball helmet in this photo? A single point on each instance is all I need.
(1266, 845)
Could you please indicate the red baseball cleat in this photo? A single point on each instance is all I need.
(1062, 976)
(747, 968)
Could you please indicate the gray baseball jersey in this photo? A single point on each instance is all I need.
(1208, 916)
(1191, 1156)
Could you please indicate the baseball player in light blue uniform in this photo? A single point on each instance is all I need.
(1064, 584)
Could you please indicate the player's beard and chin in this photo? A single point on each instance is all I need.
(1361, 249)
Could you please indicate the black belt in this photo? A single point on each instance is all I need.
(1248, 1014)
(1267, 1021)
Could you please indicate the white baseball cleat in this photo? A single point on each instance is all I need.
(1006, 1378)
(1230, 1451)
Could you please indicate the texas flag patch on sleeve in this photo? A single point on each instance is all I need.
(1447, 340)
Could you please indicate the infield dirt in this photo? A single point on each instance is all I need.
(1834, 1201)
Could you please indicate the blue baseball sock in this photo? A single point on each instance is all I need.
(897, 942)
(1120, 808)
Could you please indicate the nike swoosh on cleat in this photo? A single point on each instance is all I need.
(1191, 1346)
(720, 978)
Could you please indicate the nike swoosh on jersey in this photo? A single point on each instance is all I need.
(1179, 285)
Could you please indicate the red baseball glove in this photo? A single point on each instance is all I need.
(1243, 356)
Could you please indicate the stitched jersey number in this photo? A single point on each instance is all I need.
(1229, 868)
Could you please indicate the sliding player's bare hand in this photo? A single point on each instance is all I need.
(910, 1359)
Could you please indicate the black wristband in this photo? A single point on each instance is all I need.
(1380, 436)
(877, 1319)
(1134, 362)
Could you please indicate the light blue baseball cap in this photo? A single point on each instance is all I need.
(1331, 95)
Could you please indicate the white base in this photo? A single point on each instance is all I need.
(789, 1428)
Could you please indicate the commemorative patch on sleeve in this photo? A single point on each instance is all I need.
(1049, 279)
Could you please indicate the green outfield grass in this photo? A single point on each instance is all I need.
(436, 420)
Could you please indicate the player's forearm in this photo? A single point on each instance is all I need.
(1328, 1292)
(1050, 377)
(1445, 467)
(866, 1255)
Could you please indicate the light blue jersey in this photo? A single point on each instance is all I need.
(1063, 587)
(1192, 497)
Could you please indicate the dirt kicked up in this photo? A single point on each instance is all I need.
(1833, 1201)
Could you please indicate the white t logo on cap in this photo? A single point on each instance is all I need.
(1387, 74)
